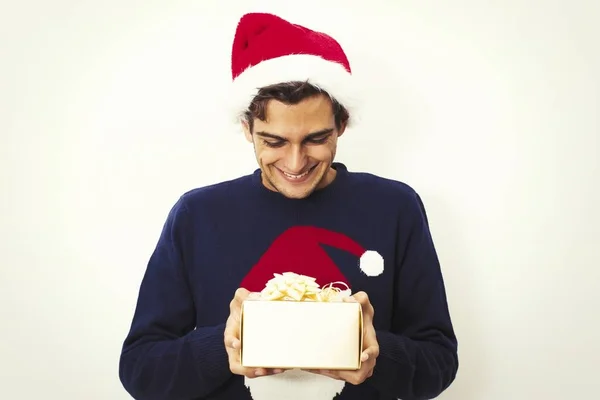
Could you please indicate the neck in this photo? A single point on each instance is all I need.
(328, 179)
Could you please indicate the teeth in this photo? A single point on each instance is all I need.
(296, 176)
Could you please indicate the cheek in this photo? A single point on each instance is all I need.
(323, 152)
(267, 156)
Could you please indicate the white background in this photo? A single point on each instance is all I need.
(108, 112)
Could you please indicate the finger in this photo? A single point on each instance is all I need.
(362, 298)
(231, 335)
(369, 353)
(237, 369)
(364, 356)
(325, 372)
(234, 306)
(233, 343)
(253, 296)
(258, 372)
(365, 302)
(241, 294)
(231, 338)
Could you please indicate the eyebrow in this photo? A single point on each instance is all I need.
(311, 135)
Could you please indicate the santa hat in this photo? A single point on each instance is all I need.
(269, 50)
(299, 250)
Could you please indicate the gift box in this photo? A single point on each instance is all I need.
(294, 323)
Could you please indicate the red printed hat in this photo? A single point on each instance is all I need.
(268, 50)
(299, 250)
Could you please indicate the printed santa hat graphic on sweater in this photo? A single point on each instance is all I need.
(299, 250)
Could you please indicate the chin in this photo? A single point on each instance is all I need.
(297, 193)
(294, 385)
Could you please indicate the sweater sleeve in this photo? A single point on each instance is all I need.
(164, 356)
(418, 356)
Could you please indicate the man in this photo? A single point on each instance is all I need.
(300, 212)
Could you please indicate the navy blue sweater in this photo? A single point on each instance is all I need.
(212, 238)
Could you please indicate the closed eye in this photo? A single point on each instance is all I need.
(280, 143)
(317, 138)
(319, 141)
(273, 144)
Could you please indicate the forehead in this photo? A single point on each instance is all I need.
(310, 115)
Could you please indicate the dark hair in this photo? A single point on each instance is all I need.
(290, 93)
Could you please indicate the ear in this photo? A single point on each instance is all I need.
(246, 129)
(342, 129)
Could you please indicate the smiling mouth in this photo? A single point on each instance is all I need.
(297, 178)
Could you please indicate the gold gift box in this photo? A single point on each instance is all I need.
(301, 334)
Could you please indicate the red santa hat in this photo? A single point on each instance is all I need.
(299, 250)
(269, 50)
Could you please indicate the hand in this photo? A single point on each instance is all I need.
(232, 339)
(370, 346)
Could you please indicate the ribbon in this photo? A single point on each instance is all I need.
(290, 286)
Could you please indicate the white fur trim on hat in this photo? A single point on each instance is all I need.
(371, 263)
(327, 75)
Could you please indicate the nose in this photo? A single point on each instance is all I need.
(296, 159)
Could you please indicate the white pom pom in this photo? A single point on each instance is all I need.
(371, 263)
